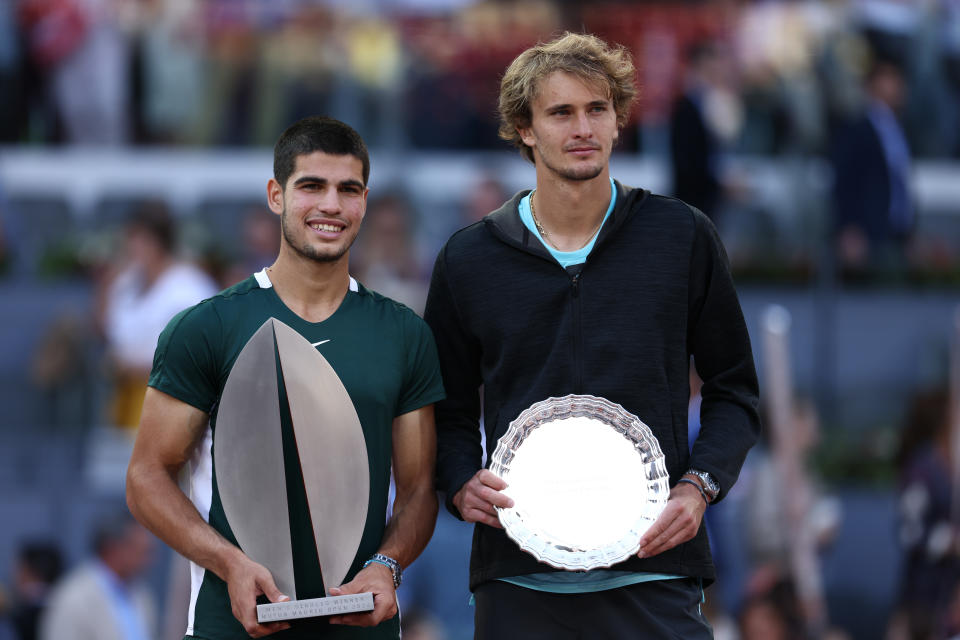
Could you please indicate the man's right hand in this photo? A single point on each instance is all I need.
(247, 580)
(478, 497)
(170, 431)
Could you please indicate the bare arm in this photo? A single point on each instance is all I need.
(414, 514)
(170, 431)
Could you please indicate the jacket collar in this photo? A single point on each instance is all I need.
(505, 222)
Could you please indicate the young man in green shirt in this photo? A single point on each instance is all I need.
(382, 353)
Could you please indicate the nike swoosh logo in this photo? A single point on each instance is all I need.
(317, 344)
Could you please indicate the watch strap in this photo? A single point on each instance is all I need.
(696, 484)
(388, 562)
(710, 486)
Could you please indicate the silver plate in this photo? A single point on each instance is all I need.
(587, 478)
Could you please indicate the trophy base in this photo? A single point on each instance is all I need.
(315, 607)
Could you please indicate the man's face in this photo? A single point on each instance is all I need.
(887, 85)
(573, 127)
(131, 555)
(321, 206)
(142, 248)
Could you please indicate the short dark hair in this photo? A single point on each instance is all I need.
(153, 217)
(110, 529)
(43, 559)
(317, 133)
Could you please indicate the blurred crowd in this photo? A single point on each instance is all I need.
(835, 81)
(424, 73)
(868, 86)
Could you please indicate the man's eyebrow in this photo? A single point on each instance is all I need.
(565, 105)
(305, 179)
(318, 180)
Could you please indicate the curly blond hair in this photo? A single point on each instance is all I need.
(583, 55)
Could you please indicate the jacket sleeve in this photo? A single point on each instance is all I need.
(459, 449)
(718, 340)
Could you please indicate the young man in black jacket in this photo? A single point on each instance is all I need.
(586, 286)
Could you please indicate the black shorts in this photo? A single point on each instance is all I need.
(656, 610)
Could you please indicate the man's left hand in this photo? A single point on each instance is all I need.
(378, 579)
(679, 521)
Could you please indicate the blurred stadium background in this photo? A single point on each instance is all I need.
(107, 104)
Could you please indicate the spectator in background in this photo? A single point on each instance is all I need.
(261, 241)
(171, 64)
(873, 203)
(768, 521)
(386, 253)
(776, 615)
(147, 287)
(370, 85)
(13, 106)
(6, 251)
(789, 521)
(706, 118)
(6, 628)
(101, 599)
(38, 567)
(487, 194)
(927, 531)
(773, 614)
(84, 54)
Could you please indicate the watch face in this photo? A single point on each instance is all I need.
(709, 484)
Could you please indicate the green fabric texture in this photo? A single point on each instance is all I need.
(386, 358)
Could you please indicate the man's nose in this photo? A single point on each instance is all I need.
(582, 127)
(329, 201)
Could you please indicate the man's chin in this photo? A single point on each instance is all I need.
(575, 171)
(581, 173)
(326, 258)
(323, 257)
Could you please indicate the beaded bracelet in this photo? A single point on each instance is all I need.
(389, 563)
(703, 493)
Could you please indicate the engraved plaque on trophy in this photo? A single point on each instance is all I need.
(250, 466)
(587, 478)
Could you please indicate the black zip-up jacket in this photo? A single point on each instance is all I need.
(655, 289)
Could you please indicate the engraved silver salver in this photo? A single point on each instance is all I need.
(587, 478)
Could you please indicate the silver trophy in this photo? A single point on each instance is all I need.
(248, 454)
(587, 478)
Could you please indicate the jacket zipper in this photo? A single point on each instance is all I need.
(577, 332)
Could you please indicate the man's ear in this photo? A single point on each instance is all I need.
(366, 199)
(275, 196)
(526, 134)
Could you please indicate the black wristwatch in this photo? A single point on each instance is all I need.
(709, 485)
